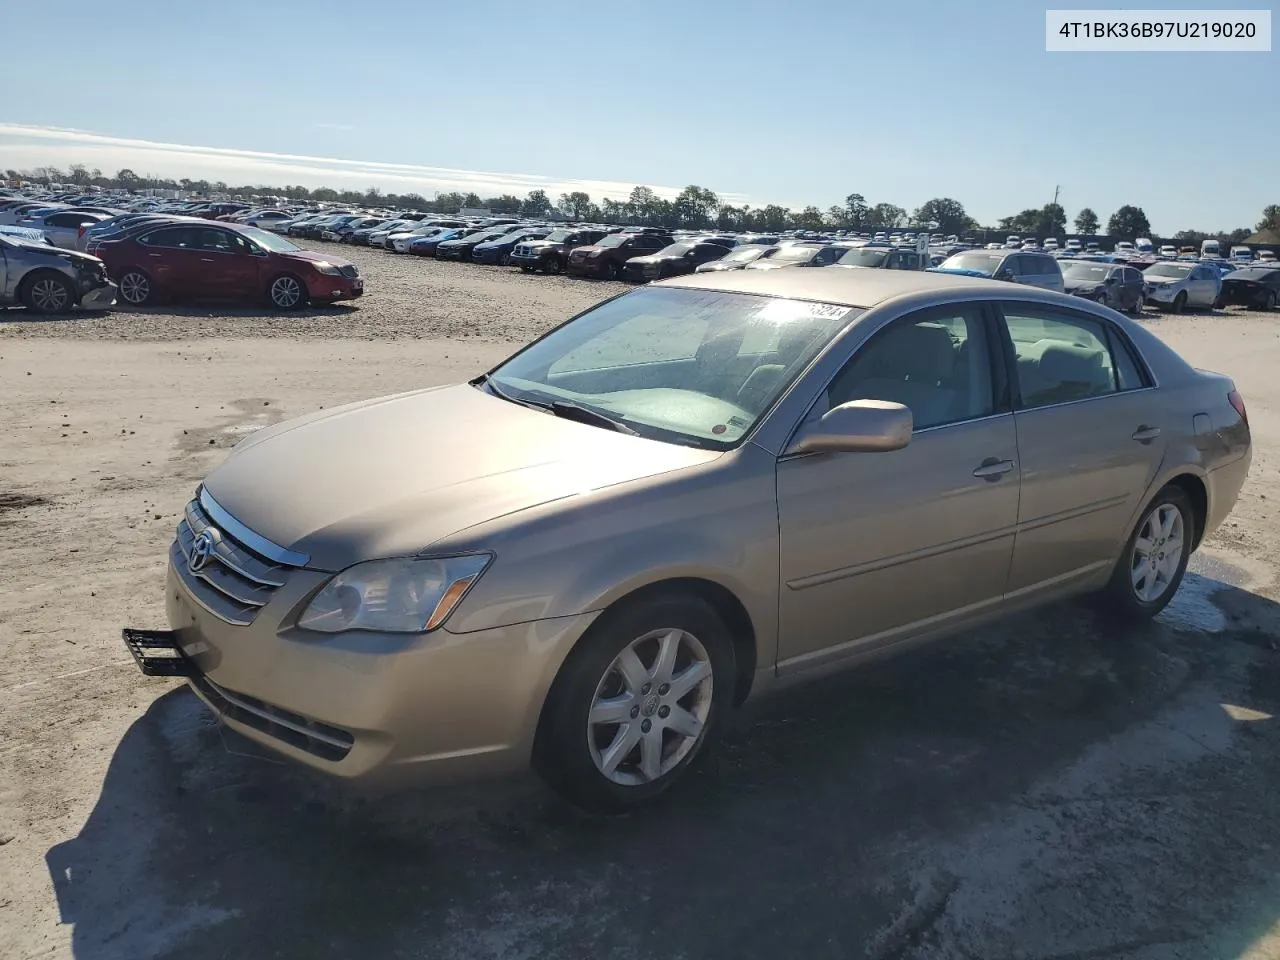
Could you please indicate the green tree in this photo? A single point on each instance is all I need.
(773, 218)
(643, 205)
(696, 206)
(506, 203)
(535, 204)
(78, 174)
(810, 218)
(1270, 218)
(1087, 222)
(886, 216)
(856, 210)
(836, 217)
(1237, 235)
(942, 214)
(1051, 221)
(576, 205)
(1128, 221)
(450, 202)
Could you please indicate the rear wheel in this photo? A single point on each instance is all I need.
(136, 288)
(287, 292)
(1269, 301)
(635, 703)
(1155, 557)
(47, 293)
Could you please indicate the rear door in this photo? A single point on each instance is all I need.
(875, 547)
(1091, 434)
(171, 257)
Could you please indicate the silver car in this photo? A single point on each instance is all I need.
(63, 228)
(49, 280)
(1177, 286)
(1015, 266)
(685, 497)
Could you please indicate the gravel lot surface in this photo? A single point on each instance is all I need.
(406, 297)
(1050, 788)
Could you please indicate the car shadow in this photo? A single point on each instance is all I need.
(1056, 786)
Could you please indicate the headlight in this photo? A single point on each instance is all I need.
(324, 266)
(404, 595)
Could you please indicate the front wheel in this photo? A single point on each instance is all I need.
(635, 703)
(48, 293)
(287, 292)
(553, 265)
(613, 270)
(1180, 302)
(1155, 557)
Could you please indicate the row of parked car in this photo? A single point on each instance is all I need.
(207, 250)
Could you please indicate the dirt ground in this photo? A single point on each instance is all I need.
(1051, 788)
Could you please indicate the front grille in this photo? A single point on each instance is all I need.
(320, 739)
(235, 581)
(350, 271)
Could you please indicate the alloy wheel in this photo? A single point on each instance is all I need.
(49, 295)
(135, 288)
(286, 292)
(651, 707)
(1157, 553)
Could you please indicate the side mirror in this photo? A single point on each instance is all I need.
(1004, 275)
(859, 426)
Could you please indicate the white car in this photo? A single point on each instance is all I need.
(1267, 256)
(1126, 248)
(1168, 251)
(1075, 246)
(1013, 241)
(1176, 286)
(62, 228)
(1051, 244)
(265, 218)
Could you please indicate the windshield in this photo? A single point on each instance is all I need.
(793, 251)
(1084, 271)
(270, 241)
(743, 255)
(675, 250)
(559, 236)
(612, 240)
(686, 366)
(1167, 270)
(982, 262)
(863, 257)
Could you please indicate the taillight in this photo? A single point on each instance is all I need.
(83, 228)
(1237, 402)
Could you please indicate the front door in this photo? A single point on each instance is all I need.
(228, 267)
(1091, 436)
(875, 547)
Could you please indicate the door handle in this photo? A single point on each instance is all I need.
(1145, 434)
(992, 469)
(154, 256)
(206, 260)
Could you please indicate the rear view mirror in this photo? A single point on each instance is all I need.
(859, 426)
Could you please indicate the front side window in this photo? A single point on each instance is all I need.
(1062, 357)
(935, 362)
(687, 366)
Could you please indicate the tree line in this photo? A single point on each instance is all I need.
(694, 207)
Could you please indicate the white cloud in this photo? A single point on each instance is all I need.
(23, 146)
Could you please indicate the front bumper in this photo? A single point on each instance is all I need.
(586, 268)
(100, 298)
(380, 708)
(323, 288)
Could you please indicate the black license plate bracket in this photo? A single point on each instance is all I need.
(157, 653)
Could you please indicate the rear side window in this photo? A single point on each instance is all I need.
(177, 238)
(1062, 357)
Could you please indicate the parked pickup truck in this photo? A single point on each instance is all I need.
(552, 252)
(605, 258)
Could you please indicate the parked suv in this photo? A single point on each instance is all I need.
(682, 257)
(605, 258)
(1017, 266)
(552, 252)
(49, 280)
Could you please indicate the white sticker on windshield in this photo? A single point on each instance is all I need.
(781, 311)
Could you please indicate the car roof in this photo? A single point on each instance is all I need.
(849, 288)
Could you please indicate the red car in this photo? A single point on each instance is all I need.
(224, 261)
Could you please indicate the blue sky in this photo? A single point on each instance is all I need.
(760, 101)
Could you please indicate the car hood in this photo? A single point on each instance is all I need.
(1081, 286)
(1163, 281)
(391, 476)
(311, 256)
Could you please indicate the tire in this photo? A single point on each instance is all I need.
(47, 292)
(1138, 304)
(1140, 587)
(136, 288)
(1180, 303)
(622, 763)
(287, 292)
(553, 265)
(1269, 301)
(613, 271)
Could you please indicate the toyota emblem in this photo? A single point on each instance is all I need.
(201, 550)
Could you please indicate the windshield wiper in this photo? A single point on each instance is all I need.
(564, 409)
(572, 411)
